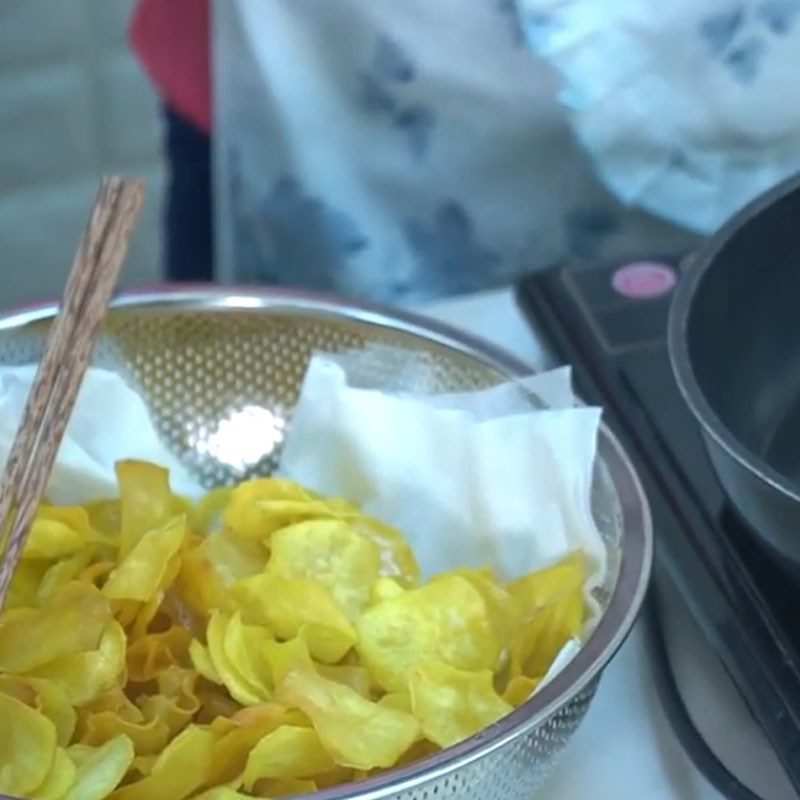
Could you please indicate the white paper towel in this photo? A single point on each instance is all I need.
(471, 479)
(110, 423)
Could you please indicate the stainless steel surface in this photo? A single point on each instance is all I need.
(734, 337)
(213, 364)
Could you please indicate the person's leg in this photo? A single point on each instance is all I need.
(189, 247)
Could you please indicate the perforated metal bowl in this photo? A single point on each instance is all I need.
(210, 361)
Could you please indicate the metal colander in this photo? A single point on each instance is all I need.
(211, 361)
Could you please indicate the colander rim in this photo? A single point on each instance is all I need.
(637, 546)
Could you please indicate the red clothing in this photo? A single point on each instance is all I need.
(172, 40)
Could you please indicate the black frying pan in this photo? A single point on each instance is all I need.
(734, 336)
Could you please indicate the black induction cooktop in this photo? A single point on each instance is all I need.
(610, 322)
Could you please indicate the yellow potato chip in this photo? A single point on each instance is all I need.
(519, 689)
(544, 636)
(61, 573)
(200, 587)
(266, 641)
(99, 770)
(55, 705)
(333, 554)
(355, 731)
(399, 701)
(176, 702)
(385, 589)
(201, 661)
(149, 612)
(541, 588)
(211, 565)
(236, 674)
(356, 678)
(245, 648)
(145, 568)
(105, 516)
(82, 676)
(327, 643)
(236, 738)
(233, 558)
(334, 777)
(505, 611)
(294, 606)
(452, 704)
(45, 697)
(73, 622)
(285, 787)
(215, 702)
(287, 752)
(554, 610)
(255, 715)
(147, 737)
(152, 654)
(112, 714)
(114, 700)
(221, 793)
(59, 779)
(206, 514)
(146, 502)
(422, 748)
(24, 590)
(60, 532)
(446, 620)
(142, 766)
(162, 714)
(283, 657)
(396, 556)
(97, 573)
(19, 687)
(27, 747)
(259, 507)
(178, 772)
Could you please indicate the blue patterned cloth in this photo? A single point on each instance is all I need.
(406, 151)
(688, 113)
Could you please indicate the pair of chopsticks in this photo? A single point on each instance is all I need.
(68, 350)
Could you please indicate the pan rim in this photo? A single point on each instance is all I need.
(681, 310)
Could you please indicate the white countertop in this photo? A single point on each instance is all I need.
(625, 747)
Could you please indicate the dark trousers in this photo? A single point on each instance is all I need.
(189, 226)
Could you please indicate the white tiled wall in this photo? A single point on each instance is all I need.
(73, 105)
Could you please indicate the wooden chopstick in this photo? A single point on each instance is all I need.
(66, 356)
